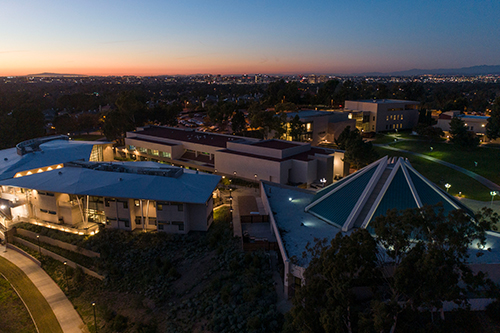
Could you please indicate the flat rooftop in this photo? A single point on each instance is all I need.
(386, 101)
(205, 138)
(276, 144)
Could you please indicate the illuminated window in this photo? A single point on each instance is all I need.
(96, 155)
(155, 152)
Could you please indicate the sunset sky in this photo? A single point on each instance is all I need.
(232, 37)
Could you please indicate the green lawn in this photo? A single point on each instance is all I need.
(488, 158)
(440, 175)
(45, 319)
(15, 317)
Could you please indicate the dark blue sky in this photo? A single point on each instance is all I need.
(200, 36)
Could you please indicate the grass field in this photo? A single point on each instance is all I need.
(440, 175)
(44, 318)
(487, 158)
(15, 317)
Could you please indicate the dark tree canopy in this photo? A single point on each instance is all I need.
(358, 153)
(493, 125)
(416, 260)
(460, 136)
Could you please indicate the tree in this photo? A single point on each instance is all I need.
(64, 124)
(238, 122)
(287, 106)
(167, 114)
(459, 134)
(115, 123)
(431, 133)
(417, 259)
(296, 128)
(429, 254)
(493, 125)
(358, 153)
(87, 122)
(327, 301)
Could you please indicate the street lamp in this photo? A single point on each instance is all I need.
(39, 249)
(492, 193)
(447, 187)
(66, 274)
(323, 182)
(95, 318)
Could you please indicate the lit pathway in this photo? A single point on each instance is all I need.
(486, 182)
(64, 311)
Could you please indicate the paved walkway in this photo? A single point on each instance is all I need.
(486, 182)
(64, 311)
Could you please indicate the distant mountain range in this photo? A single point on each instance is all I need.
(474, 70)
(55, 75)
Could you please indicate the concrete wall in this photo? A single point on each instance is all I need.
(58, 243)
(58, 257)
(247, 167)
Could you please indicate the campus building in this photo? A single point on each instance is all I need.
(319, 126)
(71, 193)
(383, 114)
(281, 161)
(300, 217)
(474, 123)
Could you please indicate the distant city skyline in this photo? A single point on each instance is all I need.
(229, 37)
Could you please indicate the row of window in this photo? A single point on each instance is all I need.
(152, 221)
(49, 194)
(153, 152)
(48, 211)
(393, 126)
(394, 117)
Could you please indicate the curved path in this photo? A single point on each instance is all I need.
(486, 182)
(66, 318)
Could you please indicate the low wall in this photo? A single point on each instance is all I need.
(27, 255)
(58, 243)
(57, 257)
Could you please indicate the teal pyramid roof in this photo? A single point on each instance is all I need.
(385, 184)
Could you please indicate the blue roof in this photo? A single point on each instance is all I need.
(398, 195)
(52, 152)
(188, 187)
(337, 207)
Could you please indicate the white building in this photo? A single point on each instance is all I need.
(51, 182)
(383, 114)
(252, 159)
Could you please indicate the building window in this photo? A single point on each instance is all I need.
(43, 210)
(179, 224)
(131, 147)
(142, 150)
(160, 226)
(125, 204)
(106, 202)
(96, 155)
(180, 207)
(373, 118)
(52, 212)
(126, 222)
(152, 221)
(137, 203)
(138, 220)
(155, 152)
(165, 154)
(159, 206)
(50, 194)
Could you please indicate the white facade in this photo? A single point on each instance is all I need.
(383, 115)
(252, 159)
